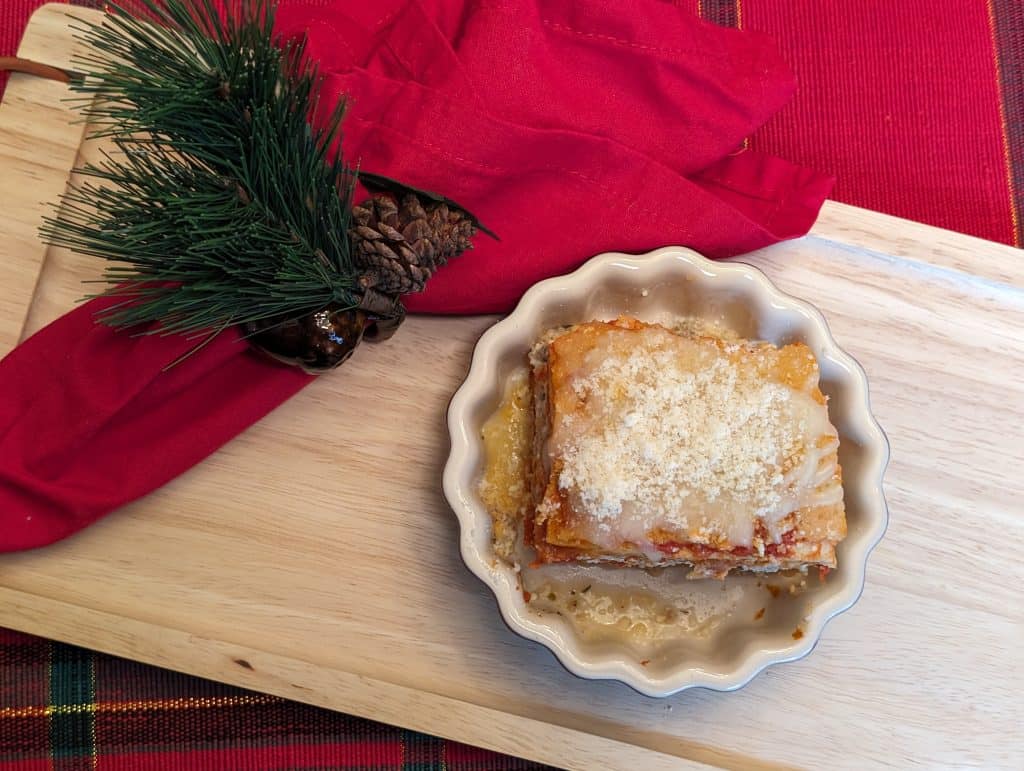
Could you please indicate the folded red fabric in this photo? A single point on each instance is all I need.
(681, 91)
(558, 196)
(89, 419)
(568, 127)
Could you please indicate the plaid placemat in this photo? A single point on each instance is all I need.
(917, 107)
(64, 708)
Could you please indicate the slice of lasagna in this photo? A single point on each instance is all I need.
(656, 448)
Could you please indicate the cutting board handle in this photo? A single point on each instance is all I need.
(17, 64)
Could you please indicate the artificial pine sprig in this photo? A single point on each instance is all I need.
(221, 204)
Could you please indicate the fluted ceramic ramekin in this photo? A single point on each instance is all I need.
(661, 286)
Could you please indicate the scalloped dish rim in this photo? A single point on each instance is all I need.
(474, 521)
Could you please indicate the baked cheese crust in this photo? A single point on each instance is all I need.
(656, 448)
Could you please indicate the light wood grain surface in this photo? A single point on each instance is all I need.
(298, 563)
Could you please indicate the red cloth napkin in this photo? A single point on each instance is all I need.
(89, 420)
(569, 128)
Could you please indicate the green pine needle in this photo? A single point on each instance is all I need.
(220, 203)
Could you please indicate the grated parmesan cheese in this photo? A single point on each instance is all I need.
(675, 425)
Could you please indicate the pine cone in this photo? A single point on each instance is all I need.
(400, 248)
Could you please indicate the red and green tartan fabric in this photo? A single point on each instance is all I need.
(64, 708)
(916, 107)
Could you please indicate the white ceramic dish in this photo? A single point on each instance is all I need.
(661, 286)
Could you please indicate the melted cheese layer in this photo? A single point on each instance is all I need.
(686, 439)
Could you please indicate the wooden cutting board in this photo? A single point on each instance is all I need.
(315, 558)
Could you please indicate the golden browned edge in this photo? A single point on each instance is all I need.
(550, 522)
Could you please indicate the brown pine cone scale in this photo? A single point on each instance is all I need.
(400, 246)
